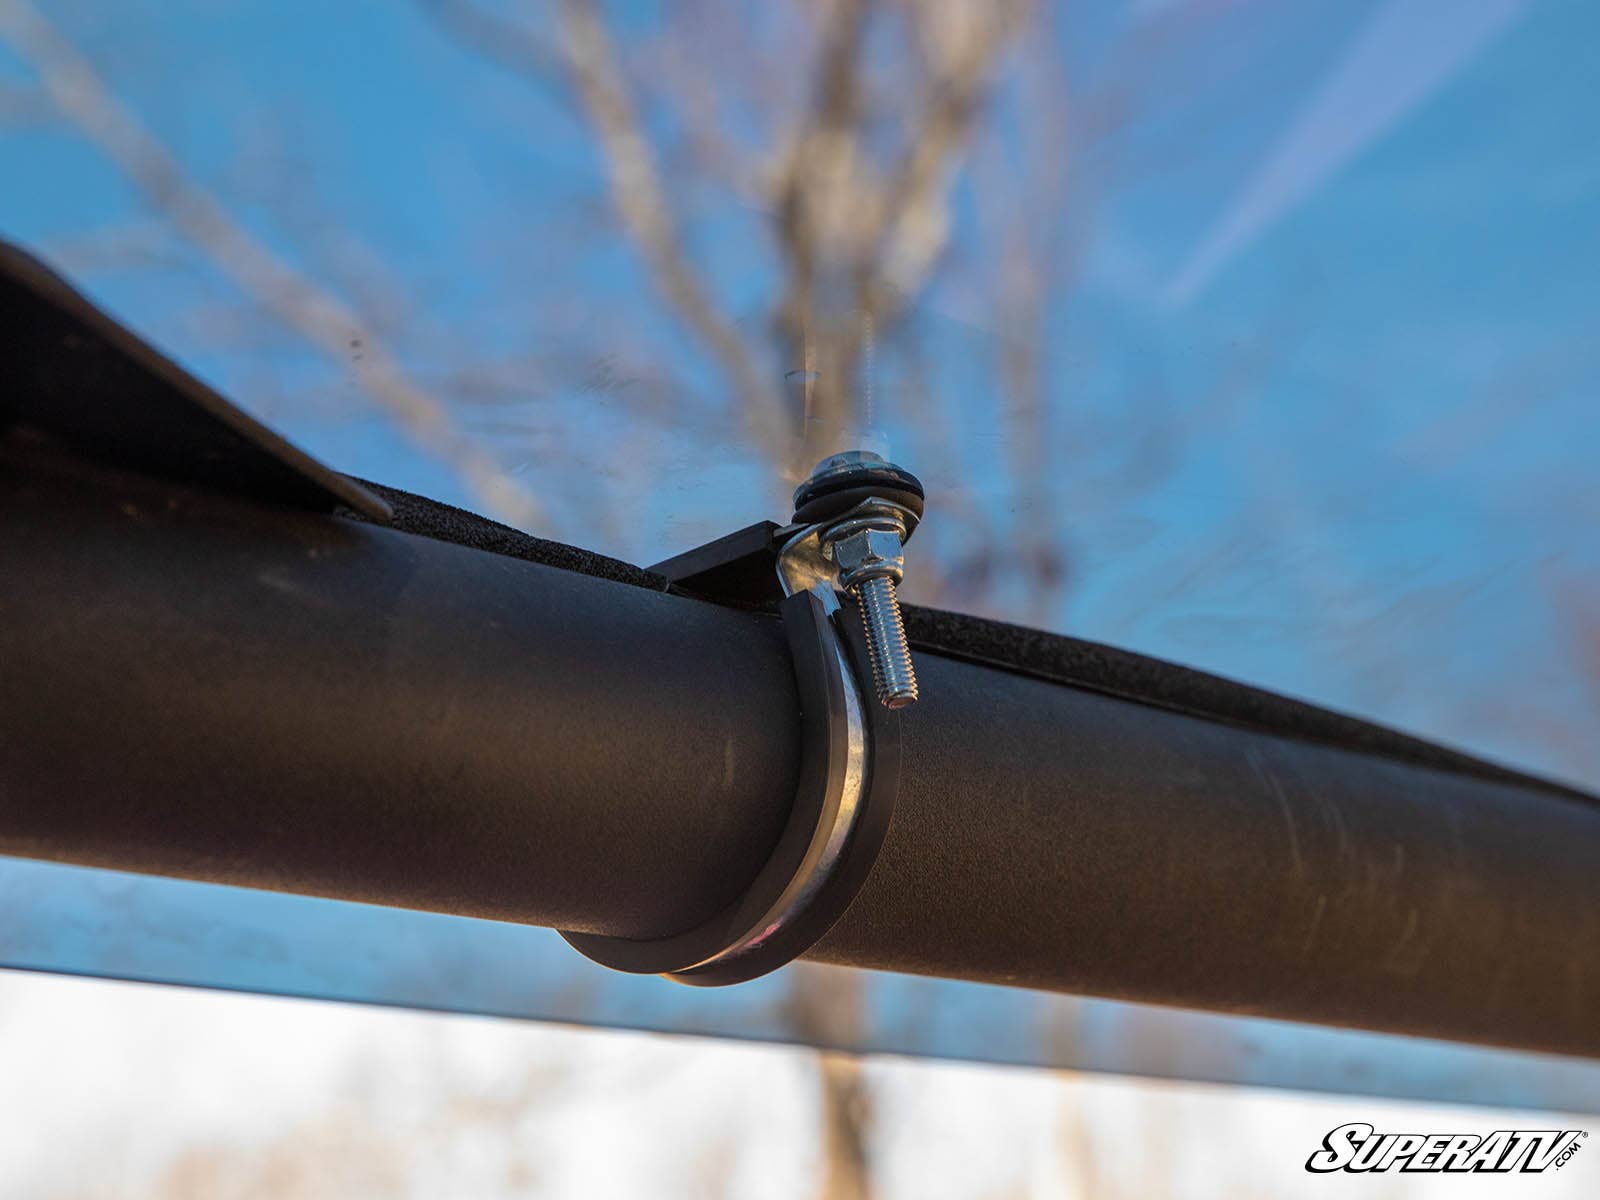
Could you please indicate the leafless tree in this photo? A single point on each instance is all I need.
(849, 125)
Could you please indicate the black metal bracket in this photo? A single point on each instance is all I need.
(79, 382)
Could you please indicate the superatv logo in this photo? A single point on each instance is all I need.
(1358, 1147)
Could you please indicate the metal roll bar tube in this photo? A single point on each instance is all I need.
(218, 689)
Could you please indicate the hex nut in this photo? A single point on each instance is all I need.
(869, 553)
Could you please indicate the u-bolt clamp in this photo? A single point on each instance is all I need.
(833, 571)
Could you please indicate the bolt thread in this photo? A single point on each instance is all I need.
(892, 673)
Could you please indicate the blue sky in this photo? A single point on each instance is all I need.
(1347, 262)
(1368, 227)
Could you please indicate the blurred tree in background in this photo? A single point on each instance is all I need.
(848, 124)
(752, 235)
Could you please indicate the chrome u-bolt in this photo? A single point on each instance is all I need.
(866, 542)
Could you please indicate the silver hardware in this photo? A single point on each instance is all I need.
(868, 550)
(866, 547)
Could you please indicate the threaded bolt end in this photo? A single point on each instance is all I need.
(892, 673)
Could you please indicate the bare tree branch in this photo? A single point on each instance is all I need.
(78, 91)
(859, 242)
(510, 44)
(967, 42)
(641, 202)
(713, 155)
(21, 106)
(819, 186)
(586, 60)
